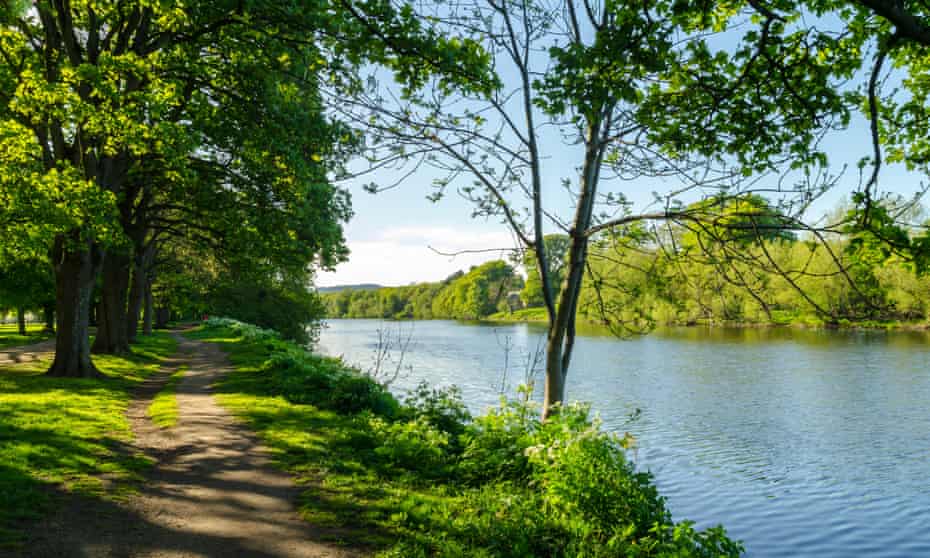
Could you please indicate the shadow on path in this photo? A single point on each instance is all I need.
(212, 493)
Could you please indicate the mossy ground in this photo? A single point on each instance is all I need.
(62, 435)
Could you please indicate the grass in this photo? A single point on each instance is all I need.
(164, 408)
(68, 435)
(10, 337)
(521, 315)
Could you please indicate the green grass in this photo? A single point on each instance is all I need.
(67, 435)
(164, 408)
(10, 337)
(522, 315)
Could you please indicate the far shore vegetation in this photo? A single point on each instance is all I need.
(850, 281)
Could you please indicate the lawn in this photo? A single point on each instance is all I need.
(65, 435)
(10, 337)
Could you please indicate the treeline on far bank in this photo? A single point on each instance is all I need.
(484, 290)
(636, 280)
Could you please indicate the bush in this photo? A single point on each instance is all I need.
(495, 443)
(442, 407)
(353, 392)
(589, 483)
(493, 521)
(413, 445)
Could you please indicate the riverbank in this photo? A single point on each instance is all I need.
(421, 477)
(538, 315)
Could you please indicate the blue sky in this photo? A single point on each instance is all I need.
(394, 233)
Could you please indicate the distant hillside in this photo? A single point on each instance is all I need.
(484, 290)
(338, 288)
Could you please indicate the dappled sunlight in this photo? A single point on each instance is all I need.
(63, 434)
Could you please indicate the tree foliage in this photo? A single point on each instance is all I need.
(462, 296)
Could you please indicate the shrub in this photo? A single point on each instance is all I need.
(413, 445)
(327, 383)
(353, 392)
(495, 443)
(587, 480)
(442, 407)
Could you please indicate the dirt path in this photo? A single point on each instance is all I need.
(213, 492)
(27, 353)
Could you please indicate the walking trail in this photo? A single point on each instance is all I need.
(212, 493)
(27, 353)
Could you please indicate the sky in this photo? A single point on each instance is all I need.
(395, 235)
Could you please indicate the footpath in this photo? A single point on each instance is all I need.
(212, 492)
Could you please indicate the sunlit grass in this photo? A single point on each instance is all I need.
(68, 435)
(521, 315)
(164, 408)
(10, 337)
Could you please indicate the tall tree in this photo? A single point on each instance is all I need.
(635, 92)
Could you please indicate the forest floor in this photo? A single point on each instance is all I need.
(211, 492)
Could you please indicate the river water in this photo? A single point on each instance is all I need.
(800, 442)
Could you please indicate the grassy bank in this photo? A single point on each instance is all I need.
(10, 337)
(420, 477)
(779, 319)
(65, 435)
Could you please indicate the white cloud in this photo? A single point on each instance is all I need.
(402, 255)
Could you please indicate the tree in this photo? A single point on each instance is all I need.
(26, 284)
(636, 92)
(116, 114)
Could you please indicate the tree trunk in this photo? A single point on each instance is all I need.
(21, 320)
(149, 310)
(555, 377)
(136, 296)
(75, 273)
(162, 315)
(141, 266)
(48, 312)
(561, 339)
(112, 338)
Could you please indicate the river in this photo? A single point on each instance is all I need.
(800, 442)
